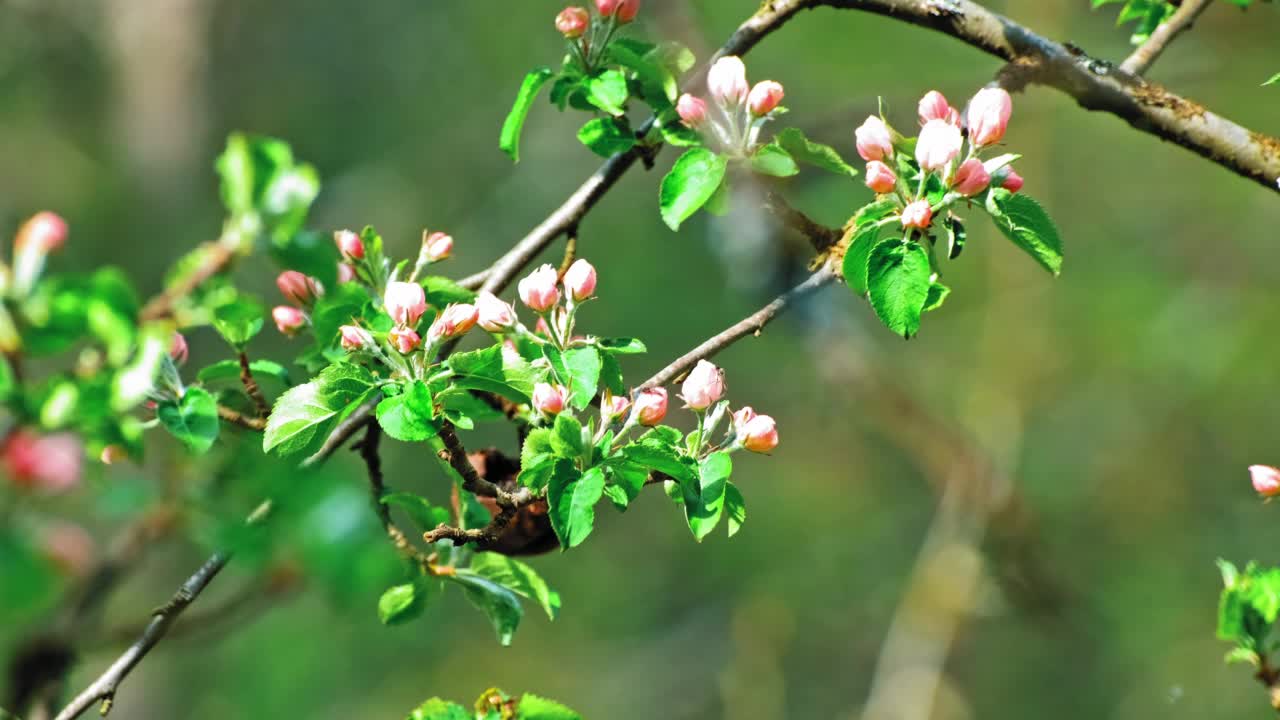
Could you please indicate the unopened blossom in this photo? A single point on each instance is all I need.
(873, 139)
(354, 338)
(651, 406)
(613, 406)
(297, 288)
(760, 434)
(727, 81)
(405, 302)
(988, 116)
(742, 417)
(939, 143)
(112, 454)
(539, 290)
(455, 321)
(178, 350)
(580, 280)
(404, 340)
(1012, 181)
(437, 246)
(288, 319)
(971, 178)
(934, 106)
(572, 22)
(880, 177)
(917, 215)
(692, 110)
(627, 11)
(44, 463)
(45, 232)
(764, 97)
(607, 7)
(350, 246)
(549, 399)
(346, 272)
(1266, 480)
(494, 315)
(703, 387)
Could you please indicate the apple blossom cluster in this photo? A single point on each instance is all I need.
(737, 111)
(589, 36)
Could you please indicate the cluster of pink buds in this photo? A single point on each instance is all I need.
(540, 291)
(737, 111)
(939, 151)
(588, 37)
(301, 290)
(702, 392)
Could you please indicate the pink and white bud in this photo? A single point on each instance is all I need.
(580, 280)
(44, 232)
(1266, 480)
(297, 288)
(651, 406)
(917, 215)
(607, 7)
(495, 315)
(404, 340)
(437, 246)
(44, 463)
(742, 417)
(727, 81)
(759, 435)
(764, 97)
(934, 106)
(350, 246)
(971, 178)
(289, 319)
(355, 338)
(454, 322)
(939, 143)
(627, 11)
(572, 22)
(692, 110)
(178, 350)
(1012, 181)
(614, 406)
(549, 399)
(873, 139)
(988, 116)
(405, 302)
(880, 177)
(346, 273)
(703, 387)
(542, 328)
(539, 290)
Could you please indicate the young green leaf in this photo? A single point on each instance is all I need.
(704, 508)
(425, 515)
(518, 578)
(1023, 221)
(509, 139)
(499, 604)
(622, 345)
(773, 161)
(583, 365)
(606, 136)
(193, 419)
(854, 266)
(608, 91)
(295, 419)
(237, 322)
(571, 500)
(437, 709)
(1272, 80)
(410, 415)
(490, 370)
(442, 291)
(898, 283)
(692, 181)
(812, 153)
(402, 603)
(735, 508)
(937, 295)
(566, 437)
(532, 707)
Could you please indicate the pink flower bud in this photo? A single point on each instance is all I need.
(289, 319)
(614, 406)
(727, 81)
(572, 22)
(880, 177)
(934, 106)
(494, 315)
(873, 139)
(938, 145)
(764, 97)
(627, 10)
(703, 387)
(1266, 480)
(346, 273)
(988, 116)
(437, 246)
(971, 178)
(580, 280)
(405, 302)
(455, 321)
(404, 340)
(297, 288)
(539, 290)
(350, 246)
(1012, 181)
(548, 399)
(742, 417)
(45, 463)
(542, 328)
(917, 215)
(760, 434)
(651, 406)
(178, 349)
(44, 231)
(355, 338)
(607, 7)
(692, 110)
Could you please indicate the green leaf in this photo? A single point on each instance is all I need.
(409, 416)
(873, 212)
(442, 291)
(402, 603)
(898, 283)
(999, 162)
(607, 91)
(622, 345)
(193, 419)
(856, 255)
(773, 161)
(818, 155)
(296, 417)
(662, 458)
(656, 80)
(735, 508)
(690, 184)
(437, 709)
(1272, 80)
(135, 381)
(509, 139)
(490, 371)
(230, 370)
(1023, 221)
(499, 604)
(518, 578)
(626, 482)
(237, 322)
(571, 500)
(704, 508)
(937, 295)
(606, 136)
(425, 515)
(956, 236)
(566, 437)
(583, 365)
(532, 707)
(464, 409)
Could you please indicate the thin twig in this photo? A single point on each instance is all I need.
(236, 417)
(218, 257)
(1140, 61)
(820, 236)
(368, 448)
(251, 387)
(509, 503)
(570, 253)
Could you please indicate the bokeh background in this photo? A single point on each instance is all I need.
(1014, 515)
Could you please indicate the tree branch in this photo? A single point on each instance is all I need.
(218, 257)
(251, 387)
(509, 503)
(1181, 21)
(819, 235)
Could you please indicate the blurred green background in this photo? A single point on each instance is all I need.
(1115, 407)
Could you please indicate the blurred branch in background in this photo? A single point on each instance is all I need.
(1148, 52)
